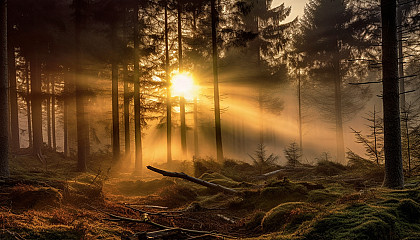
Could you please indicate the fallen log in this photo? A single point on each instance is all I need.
(182, 175)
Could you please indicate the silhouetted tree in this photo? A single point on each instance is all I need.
(394, 177)
(4, 142)
(215, 56)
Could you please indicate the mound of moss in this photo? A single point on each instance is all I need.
(143, 188)
(395, 219)
(329, 168)
(270, 196)
(287, 216)
(220, 179)
(322, 196)
(24, 197)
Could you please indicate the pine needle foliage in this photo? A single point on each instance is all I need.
(260, 159)
(292, 154)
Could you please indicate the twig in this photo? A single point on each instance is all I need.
(146, 220)
(163, 214)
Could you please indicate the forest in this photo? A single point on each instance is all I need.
(209, 119)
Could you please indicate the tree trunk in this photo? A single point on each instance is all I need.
(54, 139)
(401, 57)
(48, 106)
(183, 128)
(14, 117)
(28, 104)
(168, 93)
(300, 113)
(115, 115)
(82, 129)
(36, 99)
(137, 109)
(182, 99)
(394, 177)
(338, 108)
(195, 127)
(4, 141)
(126, 113)
(66, 101)
(219, 145)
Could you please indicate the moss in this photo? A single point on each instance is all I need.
(287, 216)
(143, 188)
(359, 221)
(25, 197)
(255, 220)
(409, 210)
(329, 168)
(322, 196)
(177, 195)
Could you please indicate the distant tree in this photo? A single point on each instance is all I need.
(215, 56)
(409, 119)
(14, 120)
(82, 126)
(372, 142)
(292, 154)
(261, 160)
(332, 31)
(265, 36)
(394, 177)
(4, 142)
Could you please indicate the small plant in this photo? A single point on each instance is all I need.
(293, 154)
(261, 161)
(325, 156)
(374, 141)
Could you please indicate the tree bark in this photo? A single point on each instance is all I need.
(36, 99)
(394, 177)
(126, 113)
(66, 101)
(4, 141)
(115, 115)
(48, 107)
(53, 130)
(338, 108)
(182, 99)
(14, 117)
(401, 57)
(300, 113)
(28, 104)
(82, 129)
(219, 145)
(168, 93)
(210, 185)
(196, 153)
(137, 109)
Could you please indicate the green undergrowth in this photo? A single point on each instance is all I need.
(386, 214)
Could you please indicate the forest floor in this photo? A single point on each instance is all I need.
(326, 201)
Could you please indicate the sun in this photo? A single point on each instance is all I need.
(183, 85)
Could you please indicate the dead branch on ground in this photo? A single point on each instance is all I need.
(182, 175)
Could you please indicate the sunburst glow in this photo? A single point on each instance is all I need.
(183, 86)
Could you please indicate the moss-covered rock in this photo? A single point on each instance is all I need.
(287, 216)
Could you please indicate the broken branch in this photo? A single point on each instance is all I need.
(182, 175)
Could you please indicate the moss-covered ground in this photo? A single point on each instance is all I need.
(326, 201)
